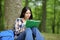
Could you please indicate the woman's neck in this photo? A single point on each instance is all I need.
(24, 20)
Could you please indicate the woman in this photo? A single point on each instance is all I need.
(23, 33)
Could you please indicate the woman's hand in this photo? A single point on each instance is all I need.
(22, 29)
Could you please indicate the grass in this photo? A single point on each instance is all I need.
(50, 36)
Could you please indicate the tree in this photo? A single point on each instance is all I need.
(58, 24)
(12, 11)
(58, 16)
(53, 24)
(1, 15)
(43, 25)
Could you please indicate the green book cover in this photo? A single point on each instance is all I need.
(32, 23)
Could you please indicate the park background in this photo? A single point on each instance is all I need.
(47, 11)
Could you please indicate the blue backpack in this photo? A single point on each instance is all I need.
(7, 35)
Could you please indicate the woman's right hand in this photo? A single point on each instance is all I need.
(22, 29)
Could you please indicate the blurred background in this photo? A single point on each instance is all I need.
(47, 11)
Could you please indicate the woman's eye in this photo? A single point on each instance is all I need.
(26, 13)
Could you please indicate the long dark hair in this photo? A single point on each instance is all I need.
(24, 11)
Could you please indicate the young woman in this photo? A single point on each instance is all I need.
(23, 33)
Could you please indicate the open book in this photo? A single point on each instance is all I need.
(32, 23)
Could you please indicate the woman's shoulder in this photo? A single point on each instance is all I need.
(18, 19)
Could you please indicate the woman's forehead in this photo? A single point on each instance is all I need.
(28, 11)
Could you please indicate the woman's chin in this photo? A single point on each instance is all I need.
(27, 18)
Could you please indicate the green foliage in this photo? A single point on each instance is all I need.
(2, 15)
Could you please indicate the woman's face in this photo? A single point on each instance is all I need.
(27, 14)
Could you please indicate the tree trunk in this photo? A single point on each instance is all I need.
(12, 11)
(43, 25)
(58, 24)
(53, 27)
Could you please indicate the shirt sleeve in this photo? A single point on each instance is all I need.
(17, 23)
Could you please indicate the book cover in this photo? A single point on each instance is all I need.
(32, 23)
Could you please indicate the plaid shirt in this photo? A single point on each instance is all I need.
(19, 26)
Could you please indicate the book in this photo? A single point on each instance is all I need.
(32, 23)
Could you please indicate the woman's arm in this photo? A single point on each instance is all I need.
(19, 26)
(17, 23)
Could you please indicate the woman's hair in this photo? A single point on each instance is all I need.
(24, 11)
